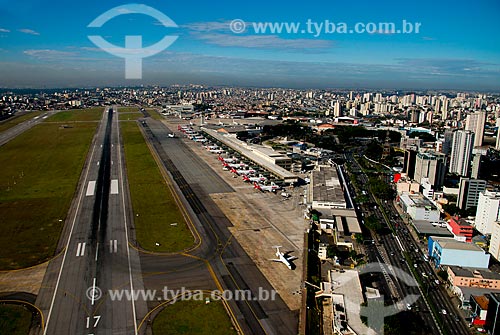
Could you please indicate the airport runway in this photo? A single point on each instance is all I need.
(95, 256)
(232, 266)
(20, 128)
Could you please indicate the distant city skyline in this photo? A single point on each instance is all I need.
(46, 46)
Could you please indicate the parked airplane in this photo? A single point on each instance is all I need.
(269, 188)
(245, 172)
(237, 165)
(227, 160)
(259, 179)
(283, 258)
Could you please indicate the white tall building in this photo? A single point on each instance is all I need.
(487, 211)
(494, 249)
(337, 110)
(475, 122)
(444, 109)
(461, 152)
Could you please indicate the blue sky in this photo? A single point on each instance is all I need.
(45, 44)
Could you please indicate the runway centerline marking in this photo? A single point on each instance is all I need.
(113, 246)
(69, 239)
(114, 186)
(80, 250)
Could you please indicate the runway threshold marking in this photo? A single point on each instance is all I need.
(80, 250)
(90, 188)
(114, 186)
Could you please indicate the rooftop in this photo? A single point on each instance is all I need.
(416, 199)
(481, 300)
(451, 243)
(326, 185)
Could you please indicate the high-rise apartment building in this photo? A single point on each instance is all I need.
(487, 211)
(431, 165)
(468, 192)
(475, 122)
(461, 152)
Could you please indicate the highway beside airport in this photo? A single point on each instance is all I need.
(400, 249)
(94, 255)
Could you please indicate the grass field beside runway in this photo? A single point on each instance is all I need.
(89, 114)
(40, 172)
(128, 109)
(15, 120)
(131, 116)
(193, 317)
(154, 114)
(157, 217)
(14, 320)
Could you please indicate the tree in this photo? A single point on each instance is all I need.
(381, 189)
(372, 223)
(374, 150)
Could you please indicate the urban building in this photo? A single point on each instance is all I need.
(448, 251)
(475, 122)
(479, 309)
(492, 324)
(487, 211)
(494, 248)
(418, 207)
(431, 165)
(461, 152)
(472, 277)
(410, 160)
(325, 190)
(468, 192)
(461, 229)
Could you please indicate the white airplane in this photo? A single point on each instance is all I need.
(237, 165)
(244, 172)
(227, 160)
(283, 258)
(259, 179)
(269, 188)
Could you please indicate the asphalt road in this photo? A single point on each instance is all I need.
(95, 256)
(20, 128)
(393, 247)
(232, 267)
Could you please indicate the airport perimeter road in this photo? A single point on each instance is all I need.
(231, 267)
(95, 256)
(20, 128)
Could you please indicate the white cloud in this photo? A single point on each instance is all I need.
(48, 54)
(3, 30)
(263, 41)
(28, 31)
